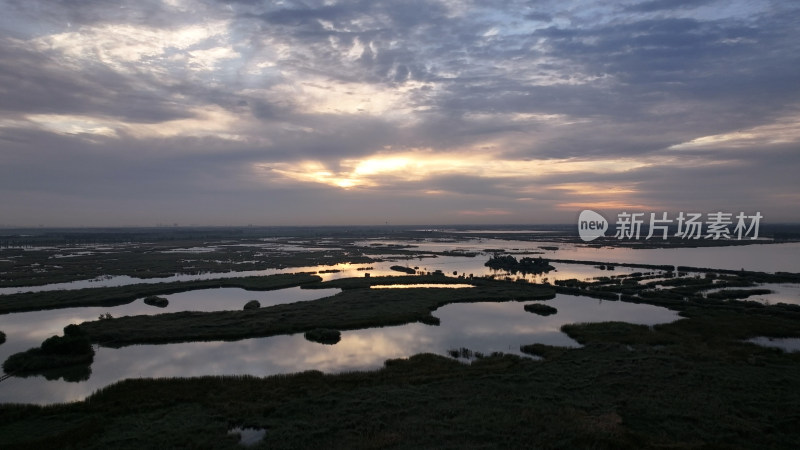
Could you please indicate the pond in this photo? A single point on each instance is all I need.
(485, 327)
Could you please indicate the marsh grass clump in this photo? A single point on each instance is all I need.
(323, 336)
(2, 337)
(463, 352)
(431, 320)
(737, 293)
(543, 351)
(252, 304)
(407, 270)
(540, 309)
(72, 349)
(156, 301)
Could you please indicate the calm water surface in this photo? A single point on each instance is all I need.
(28, 329)
(785, 344)
(486, 327)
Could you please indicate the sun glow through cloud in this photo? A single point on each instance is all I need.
(415, 166)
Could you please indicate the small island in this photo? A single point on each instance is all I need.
(252, 304)
(540, 309)
(407, 270)
(525, 265)
(159, 302)
(74, 348)
(323, 336)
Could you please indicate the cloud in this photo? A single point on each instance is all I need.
(662, 5)
(417, 110)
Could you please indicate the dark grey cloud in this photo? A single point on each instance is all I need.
(539, 16)
(47, 16)
(36, 82)
(662, 5)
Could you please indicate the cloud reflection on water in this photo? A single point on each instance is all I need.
(485, 326)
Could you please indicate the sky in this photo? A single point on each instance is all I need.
(147, 112)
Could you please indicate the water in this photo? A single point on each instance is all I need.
(486, 327)
(785, 344)
(781, 293)
(248, 436)
(757, 257)
(481, 327)
(28, 329)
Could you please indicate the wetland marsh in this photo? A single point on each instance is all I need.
(620, 316)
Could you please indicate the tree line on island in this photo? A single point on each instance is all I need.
(525, 265)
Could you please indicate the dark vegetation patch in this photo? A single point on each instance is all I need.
(462, 253)
(737, 293)
(601, 263)
(154, 300)
(404, 269)
(323, 336)
(2, 337)
(252, 304)
(540, 309)
(465, 353)
(525, 265)
(42, 257)
(366, 282)
(543, 351)
(74, 348)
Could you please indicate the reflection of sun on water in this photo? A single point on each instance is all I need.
(421, 285)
